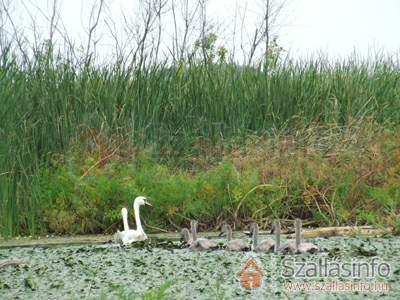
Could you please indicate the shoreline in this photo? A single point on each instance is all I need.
(104, 239)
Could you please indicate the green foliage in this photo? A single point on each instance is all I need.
(71, 203)
(274, 53)
(158, 293)
(49, 102)
(396, 227)
(205, 48)
(250, 182)
(388, 197)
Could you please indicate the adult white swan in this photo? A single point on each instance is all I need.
(129, 236)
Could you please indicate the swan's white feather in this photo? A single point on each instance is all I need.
(128, 236)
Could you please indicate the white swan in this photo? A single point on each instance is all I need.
(124, 213)
(119, 234)
(129, 236)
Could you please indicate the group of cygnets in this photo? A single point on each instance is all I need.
(267, 245)
(128, 236)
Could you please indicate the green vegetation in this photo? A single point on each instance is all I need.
(154, 272)
(323, 179)
(211, 141)
(153, 294)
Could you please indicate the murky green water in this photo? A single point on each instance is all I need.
(109, 272)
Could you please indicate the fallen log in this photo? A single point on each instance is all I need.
(13, 262)
(341, 231)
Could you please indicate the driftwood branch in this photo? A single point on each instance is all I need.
(156, 228)
(341, 231)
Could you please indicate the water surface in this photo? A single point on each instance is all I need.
(105, 271)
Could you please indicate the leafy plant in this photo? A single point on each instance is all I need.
(79, 117)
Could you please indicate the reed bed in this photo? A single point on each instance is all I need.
(49, 103)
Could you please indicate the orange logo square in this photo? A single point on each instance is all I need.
(251, 275)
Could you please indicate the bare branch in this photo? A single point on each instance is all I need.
(272, 10)
(18, 35)
(53, 21)
(56, 24)
(203, 22)
(92, 29)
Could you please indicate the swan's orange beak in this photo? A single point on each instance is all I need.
(146, 202)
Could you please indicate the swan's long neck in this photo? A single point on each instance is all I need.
(298, 232)
(229, 229)
(255, 235)
(186, 235)
(193, 228)
(277, 226)
(125, 219)
(137, 217)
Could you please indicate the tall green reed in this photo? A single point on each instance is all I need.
(47, 102)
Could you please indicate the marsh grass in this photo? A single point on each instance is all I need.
(349, 178)
(179, 112)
